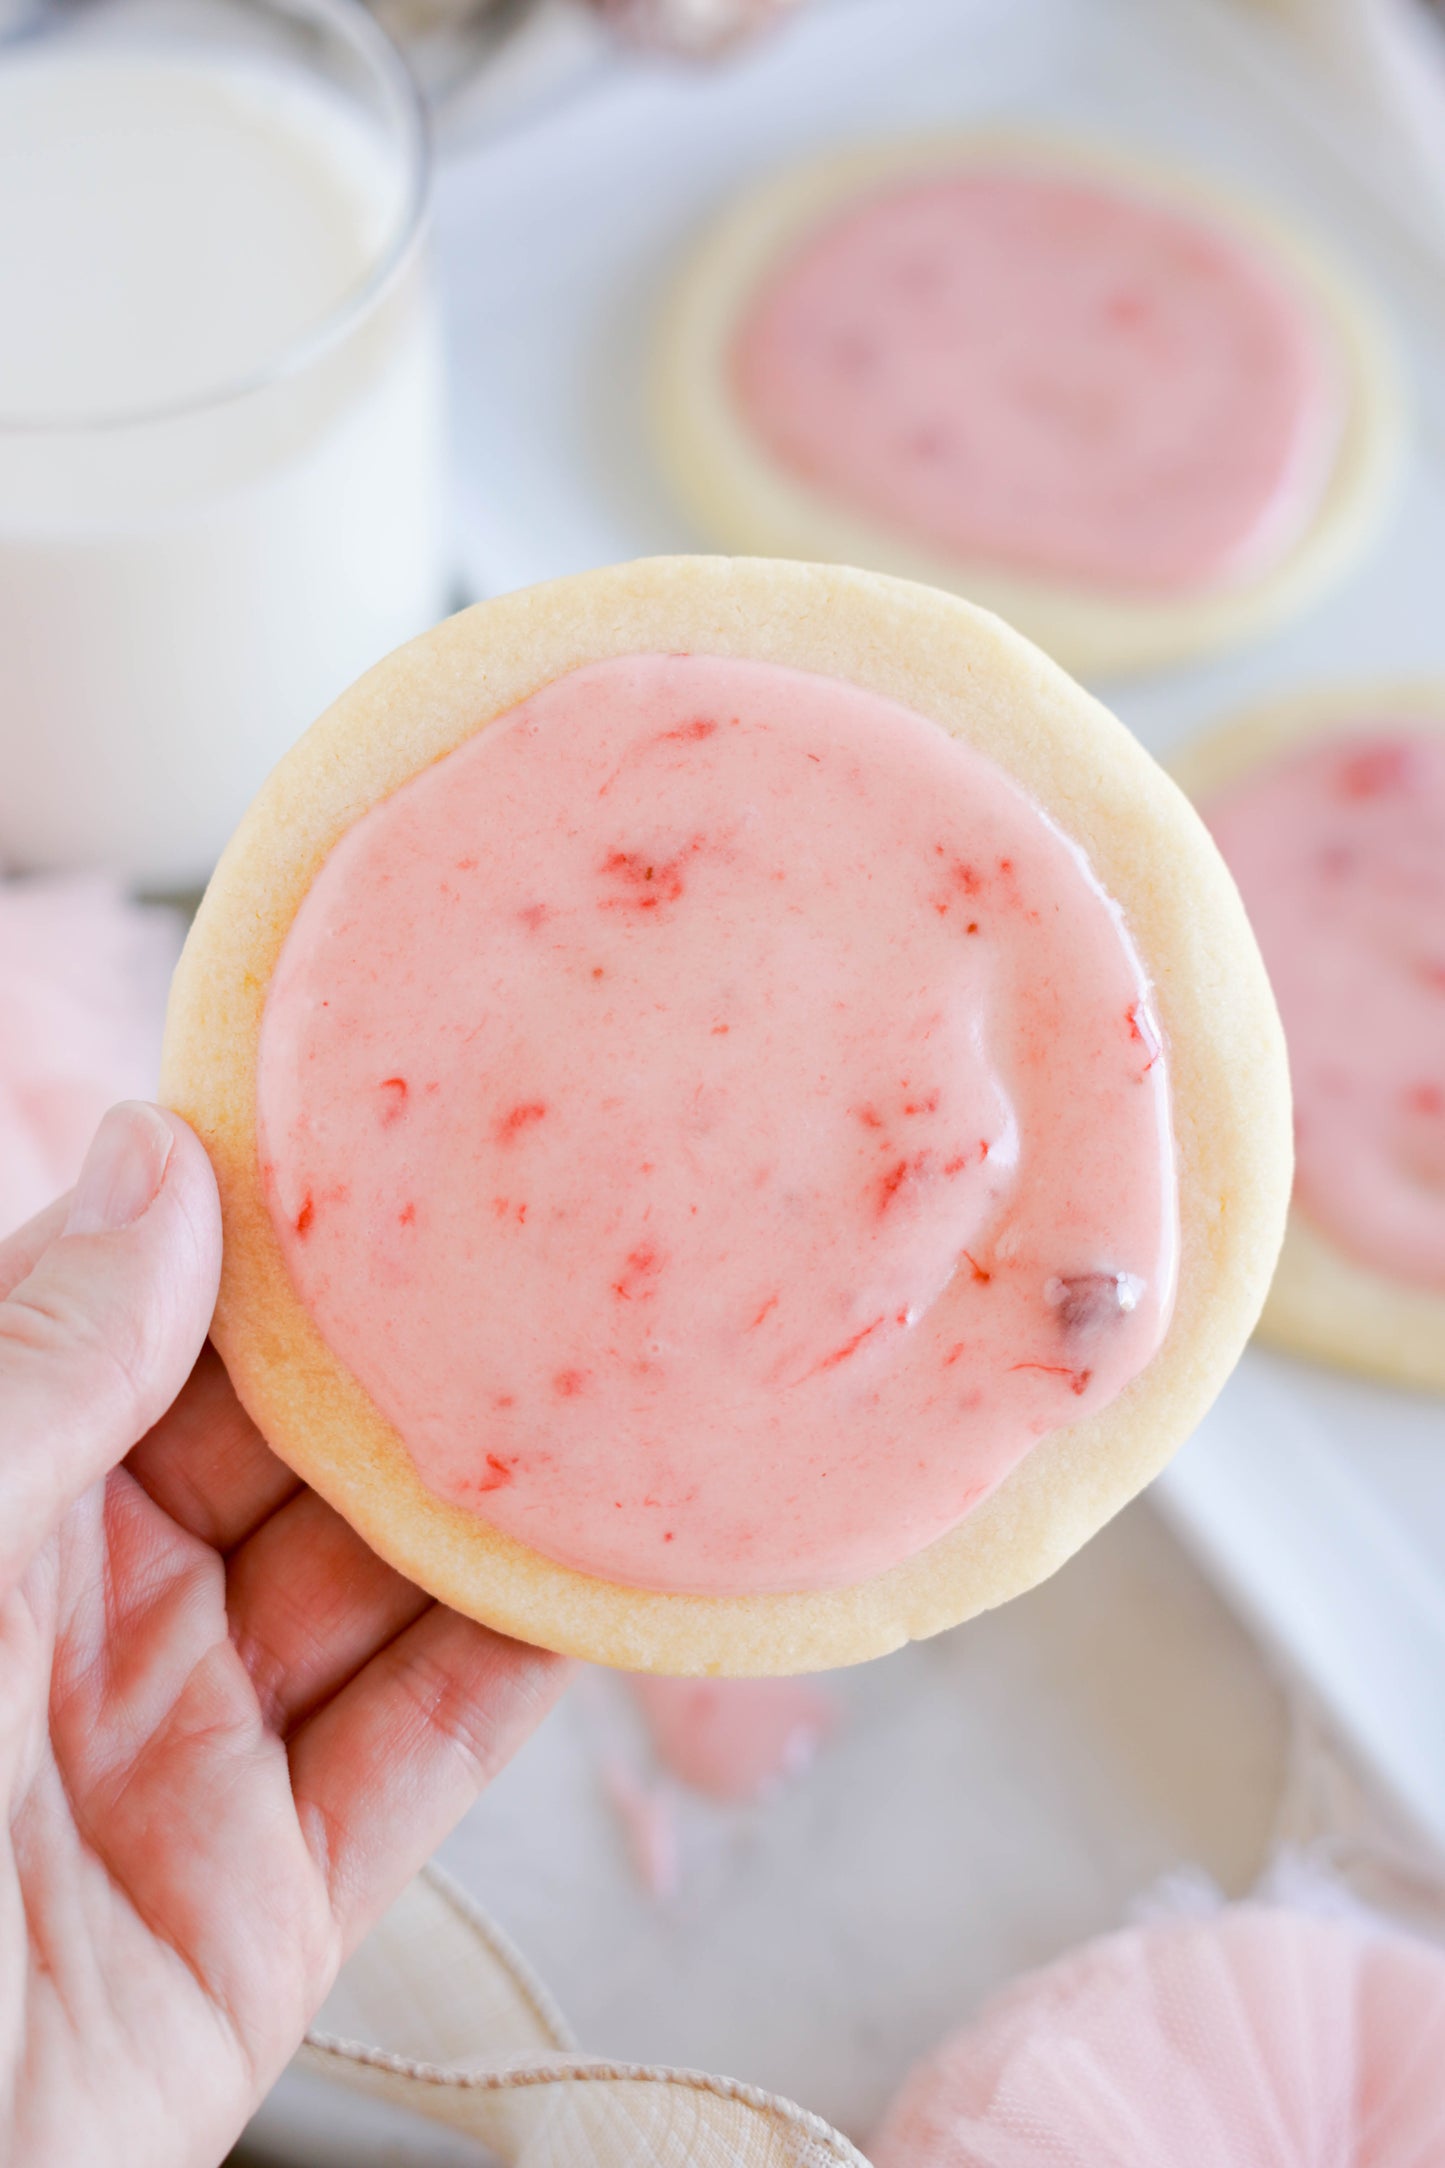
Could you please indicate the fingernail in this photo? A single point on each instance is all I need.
(123, 1170)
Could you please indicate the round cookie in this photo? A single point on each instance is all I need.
(1323, 1302)
(745, 498)
(962, 670)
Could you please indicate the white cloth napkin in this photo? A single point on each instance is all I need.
(439, 2014)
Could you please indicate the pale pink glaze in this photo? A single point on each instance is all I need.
(1339, 852)
(1056, 376)
(735, 1740)
(1257, 2038)
(720, 1121)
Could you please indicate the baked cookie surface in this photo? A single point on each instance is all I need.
(1328, 1300)
(1004, 364)
(948, 665)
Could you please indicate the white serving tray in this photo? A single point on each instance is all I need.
(1319, 1503)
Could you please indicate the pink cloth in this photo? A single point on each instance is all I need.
(1257, 2038)
(649, 1823)
(735, 1740)
(83, 978)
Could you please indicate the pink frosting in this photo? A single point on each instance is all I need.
(1052, 375)
(1339, 852)
(1257, 2038)
(720, 1121)
(735, 1740)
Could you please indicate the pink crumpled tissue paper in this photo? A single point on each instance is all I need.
(83, 979)
(1263, 2036)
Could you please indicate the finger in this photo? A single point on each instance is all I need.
(309, 1604)
(22, 1251)
(207, 1465)
(99, 1337)
(387, 1768)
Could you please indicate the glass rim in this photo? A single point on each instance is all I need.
(358, 27)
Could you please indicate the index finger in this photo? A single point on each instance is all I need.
(207, 1465)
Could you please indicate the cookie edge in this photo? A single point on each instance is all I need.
(1323, 1304)
(969, 673)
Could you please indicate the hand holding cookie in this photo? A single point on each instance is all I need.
(228, 1732)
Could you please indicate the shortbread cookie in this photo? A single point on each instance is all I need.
(1330, 809)
(748, 1114)
(1131, 415)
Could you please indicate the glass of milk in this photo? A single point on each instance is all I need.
(220, 409)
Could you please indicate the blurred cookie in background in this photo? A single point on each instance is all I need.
(1330, 812)
(1134, 415)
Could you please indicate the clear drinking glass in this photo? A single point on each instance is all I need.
(221, 449)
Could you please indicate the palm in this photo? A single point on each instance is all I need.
(256, 1732)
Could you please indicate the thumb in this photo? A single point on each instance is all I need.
(100, 1336)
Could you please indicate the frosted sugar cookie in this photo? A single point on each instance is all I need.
(1258, 2034)
(1129, 414)
(748, 1114)
(1330, 810)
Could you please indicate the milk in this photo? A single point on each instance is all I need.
(220, 438)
